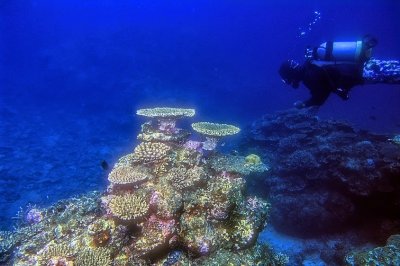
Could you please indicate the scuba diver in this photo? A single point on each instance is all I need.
(336, 67)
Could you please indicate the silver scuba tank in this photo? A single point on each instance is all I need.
(355, 52)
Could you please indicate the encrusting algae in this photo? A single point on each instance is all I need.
(167, 204)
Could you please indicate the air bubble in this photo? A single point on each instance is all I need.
(314, 20)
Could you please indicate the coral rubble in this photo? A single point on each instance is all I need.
(167, 204)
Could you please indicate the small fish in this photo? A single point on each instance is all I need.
(104, 165)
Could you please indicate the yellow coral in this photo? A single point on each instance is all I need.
(129, 206)
(243, 233)
(166, 112)
(149, 152)
(252, 159)
(214, 129)
(91, 257)
(129, 175)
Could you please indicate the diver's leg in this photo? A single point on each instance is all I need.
(382, 71)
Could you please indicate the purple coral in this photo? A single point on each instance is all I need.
(193, 145)
(34, 216)
(204, 248)
(168, 126)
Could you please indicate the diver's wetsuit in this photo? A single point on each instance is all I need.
(336, 78)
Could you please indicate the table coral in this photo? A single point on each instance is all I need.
(129, 175)
(166, 117)
(213, 132)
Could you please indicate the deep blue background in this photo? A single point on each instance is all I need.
(72, 73)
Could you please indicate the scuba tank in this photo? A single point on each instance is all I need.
(351, 52)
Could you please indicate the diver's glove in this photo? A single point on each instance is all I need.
(299, 104)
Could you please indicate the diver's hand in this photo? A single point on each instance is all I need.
(299, 104)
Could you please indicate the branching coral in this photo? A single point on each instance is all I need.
(183, 179)
(151, 152)
(91, 257)
(57, 254)
(129, 207)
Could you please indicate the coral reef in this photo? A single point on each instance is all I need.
(237, 164)
(166, 205)
(325, 173)
(382, 256)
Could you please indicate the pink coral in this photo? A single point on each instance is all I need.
(154, 199)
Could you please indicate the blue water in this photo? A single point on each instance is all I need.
(72, 74)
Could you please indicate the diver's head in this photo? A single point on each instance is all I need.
(291, 73)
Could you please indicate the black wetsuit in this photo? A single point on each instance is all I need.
(336, 78)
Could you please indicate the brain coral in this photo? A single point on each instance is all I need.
(129, 207)
(149, 152)
(129, 175)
